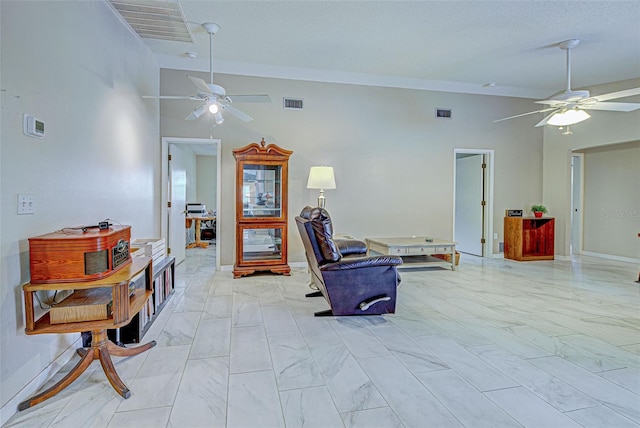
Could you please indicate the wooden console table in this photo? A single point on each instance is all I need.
(125, 306)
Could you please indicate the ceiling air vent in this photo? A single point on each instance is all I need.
(154, 19)
(292, 103)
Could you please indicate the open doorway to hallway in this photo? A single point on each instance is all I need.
(180, 180)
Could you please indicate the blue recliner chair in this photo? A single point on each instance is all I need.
(352, 282)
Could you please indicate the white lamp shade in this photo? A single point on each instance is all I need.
(568, 117)
(321, 177)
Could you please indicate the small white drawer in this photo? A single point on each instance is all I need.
(418, 251)
(397, 250)
(444, 250)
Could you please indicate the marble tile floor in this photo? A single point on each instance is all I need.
(494, 344)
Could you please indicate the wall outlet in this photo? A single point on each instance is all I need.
(26, 204)
(495, 236)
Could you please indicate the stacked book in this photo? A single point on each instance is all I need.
(153, 247)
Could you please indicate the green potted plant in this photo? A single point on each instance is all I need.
(538, 210)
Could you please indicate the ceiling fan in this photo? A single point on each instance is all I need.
(214, 97)
(568, 107)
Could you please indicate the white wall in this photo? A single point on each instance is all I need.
(612, 218)
(604, 128)
(393, 160)
(75, 66)
(207, 179)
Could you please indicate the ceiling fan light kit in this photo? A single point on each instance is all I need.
(568, 107)
(568, 117)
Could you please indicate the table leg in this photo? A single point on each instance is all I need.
(75, 372)
(199, 242)
(453, 258)
(101, 349)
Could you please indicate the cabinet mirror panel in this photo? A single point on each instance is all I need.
(262, 191)
(262, 244)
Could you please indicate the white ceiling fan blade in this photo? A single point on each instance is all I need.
(237, 113)
(554, 103)
(626, 107)
(200, 84)
(546, 119)
(525, 114)
(172, 97)
(250, 98)
(620, 94)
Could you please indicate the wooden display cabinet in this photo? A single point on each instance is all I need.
(529, 238)
(261, 209)
(126, 303)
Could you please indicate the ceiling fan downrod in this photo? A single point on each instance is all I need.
(212, 29)
(567, 45)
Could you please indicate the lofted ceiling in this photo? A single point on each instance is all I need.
(458, 46)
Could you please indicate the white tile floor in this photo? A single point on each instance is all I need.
(495, 343)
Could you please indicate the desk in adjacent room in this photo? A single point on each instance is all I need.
(198, 219)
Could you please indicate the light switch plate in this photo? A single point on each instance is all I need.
(26, 204)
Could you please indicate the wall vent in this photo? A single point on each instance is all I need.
(443, 113)
(292, 103)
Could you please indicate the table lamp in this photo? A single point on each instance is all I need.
(321, 177)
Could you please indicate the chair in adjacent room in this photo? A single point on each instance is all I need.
(352, 282)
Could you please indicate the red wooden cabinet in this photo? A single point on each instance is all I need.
(529, 238)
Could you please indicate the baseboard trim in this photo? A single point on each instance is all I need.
(11, 408)
(611, 257)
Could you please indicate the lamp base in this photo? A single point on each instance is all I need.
(321, 200)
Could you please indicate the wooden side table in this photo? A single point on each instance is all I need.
(125, 306)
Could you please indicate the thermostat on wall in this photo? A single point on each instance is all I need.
(33, 127)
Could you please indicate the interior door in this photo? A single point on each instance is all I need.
(469, 206)
(178, 201)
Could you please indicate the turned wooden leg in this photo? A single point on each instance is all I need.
(119, 351)
(76, 371)
(110, 371)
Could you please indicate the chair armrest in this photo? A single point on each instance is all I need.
(362, 262)
(349, 247)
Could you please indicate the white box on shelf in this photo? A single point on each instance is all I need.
(153, 247)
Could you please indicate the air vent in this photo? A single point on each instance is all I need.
(292, 103)
(443, 113)
(153, 19)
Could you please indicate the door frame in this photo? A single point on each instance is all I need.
(579, 198)
(487, 247)
(164, 212)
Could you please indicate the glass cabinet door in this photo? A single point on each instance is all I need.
(262, 244)
(261, 191)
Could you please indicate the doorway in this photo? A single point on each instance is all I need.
(473, 196)
(173, 204)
